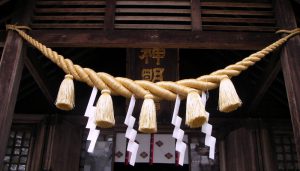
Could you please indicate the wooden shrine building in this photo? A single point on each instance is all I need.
(154, 40)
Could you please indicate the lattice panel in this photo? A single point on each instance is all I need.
(169, 15)
(284, 146)
(18, 150)
(237, 16)
(69, 14)
(285, 152)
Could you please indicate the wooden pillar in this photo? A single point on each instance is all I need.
(11, 65)
(290, 63)
(64, 146)
(266, 150)
(10, 73)
(241, 151)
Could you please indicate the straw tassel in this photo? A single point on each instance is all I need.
(147, 122)
(66, 97)
(195, 111)
(228, 98)
(104, 117)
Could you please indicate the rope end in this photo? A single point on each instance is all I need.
(195, 115)
(228, 97)
(147, 122)
(104, 117)
(66, 97)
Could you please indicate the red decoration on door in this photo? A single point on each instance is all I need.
(151, 149)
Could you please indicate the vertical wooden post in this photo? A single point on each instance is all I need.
(11, 65)
(266, 149)
(222, 155)
(66, 144)
(290, 65)
(242, 150)
(196, 15)
(10, 74)
(109, 17)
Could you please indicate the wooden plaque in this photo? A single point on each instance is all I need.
(154, 64)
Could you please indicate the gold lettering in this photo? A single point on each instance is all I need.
(146, 53)
(158, 53)
(158, 74)
(155, 53)
(147, 74)
(153, 74)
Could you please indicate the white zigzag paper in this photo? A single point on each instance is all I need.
(90, 113)
(130, 134)
(207, 129)
(178, 133)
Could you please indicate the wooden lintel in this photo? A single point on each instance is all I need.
(154, 38)
(264, 83)
(290, 65)
(29, 118)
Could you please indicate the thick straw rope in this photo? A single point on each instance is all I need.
(161, 90)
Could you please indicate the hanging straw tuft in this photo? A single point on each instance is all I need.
(104, 117)
(66, 96)
(195, 111)
(147, 122)
(228, 98)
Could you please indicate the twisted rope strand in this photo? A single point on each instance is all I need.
(161, 90)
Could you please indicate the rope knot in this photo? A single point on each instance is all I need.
(294, 31)
(16, 27)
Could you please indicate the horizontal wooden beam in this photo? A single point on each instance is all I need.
(28, 118)
(154, 38)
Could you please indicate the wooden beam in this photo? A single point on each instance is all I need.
(154, 38)
(40, 78)
(263, 84)
(28, 118)
(290, 65)
(109, 17)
